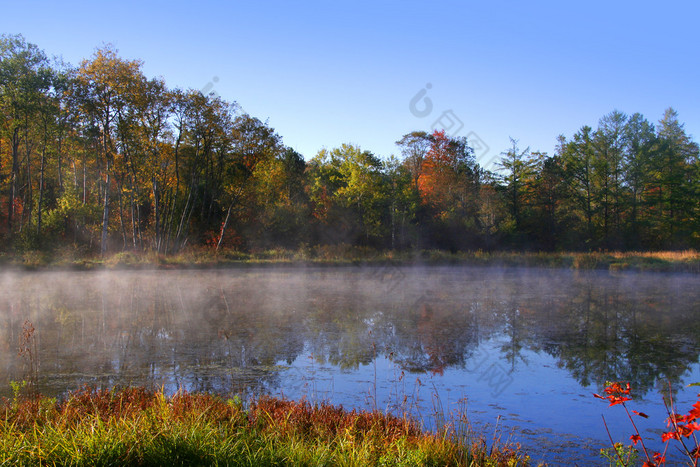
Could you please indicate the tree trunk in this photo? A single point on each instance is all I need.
(28, 206)
(105, 216)
(223, 227)
(121, 211)
(13, 179)
(133, 212)
(59, 161)
(41, 187)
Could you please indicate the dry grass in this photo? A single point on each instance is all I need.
(686, 255)
(339, 255)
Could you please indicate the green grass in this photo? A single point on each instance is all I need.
(133, 426)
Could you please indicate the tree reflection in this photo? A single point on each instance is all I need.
(610, 332)
(237, 331)
(435, 333)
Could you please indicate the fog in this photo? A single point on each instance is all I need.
(274, 330)
(192, 327)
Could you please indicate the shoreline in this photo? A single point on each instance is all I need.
(657, 262)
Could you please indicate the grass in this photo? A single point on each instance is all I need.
(338, 255)
(133, 426)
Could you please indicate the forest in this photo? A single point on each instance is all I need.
(98, 158)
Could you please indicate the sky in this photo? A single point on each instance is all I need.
(324, 73)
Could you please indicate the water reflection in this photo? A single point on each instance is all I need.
(230, 331)
(519, 343)
(642, 329)
(233, 331)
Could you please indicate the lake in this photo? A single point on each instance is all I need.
(520, 351)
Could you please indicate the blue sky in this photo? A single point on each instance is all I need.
(325, 73)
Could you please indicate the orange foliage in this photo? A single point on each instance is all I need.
(439, 183)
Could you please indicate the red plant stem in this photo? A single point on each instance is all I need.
(612, 443)
(672, 417)
(636, 431)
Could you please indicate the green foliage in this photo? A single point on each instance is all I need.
(70, 220)
(17, 387)
(620, 455)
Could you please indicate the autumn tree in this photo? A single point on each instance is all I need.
(105, 87)
(448, 184)
(414, 147)
(25, 75)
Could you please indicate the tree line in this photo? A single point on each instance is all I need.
(101, 158)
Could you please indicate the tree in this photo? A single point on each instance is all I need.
(348, 195)
(105, 87)
(24, 76)
(448, 184)
(577, 157)
(256, 175)
(608, 142)
(639, 145)
(548, 190)
(280, 202)
(519, 169)
(414, 147)
(404, 203)
(675, 165)
(154, 108)
(209, 162)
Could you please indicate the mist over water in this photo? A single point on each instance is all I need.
(526, 345)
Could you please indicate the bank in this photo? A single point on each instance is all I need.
(687, 261)
(135, 426)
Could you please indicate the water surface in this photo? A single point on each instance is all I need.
(520, 350)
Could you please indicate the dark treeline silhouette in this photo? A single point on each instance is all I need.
(100, 158)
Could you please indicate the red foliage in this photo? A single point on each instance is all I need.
(683, 425)
(616, 394)
(437, 171)
(326, 421)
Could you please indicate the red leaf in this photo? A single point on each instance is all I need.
(618, 400)
(676, 418)
(659, 458)
(687, 430)
(669, 435)
(695, 412)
